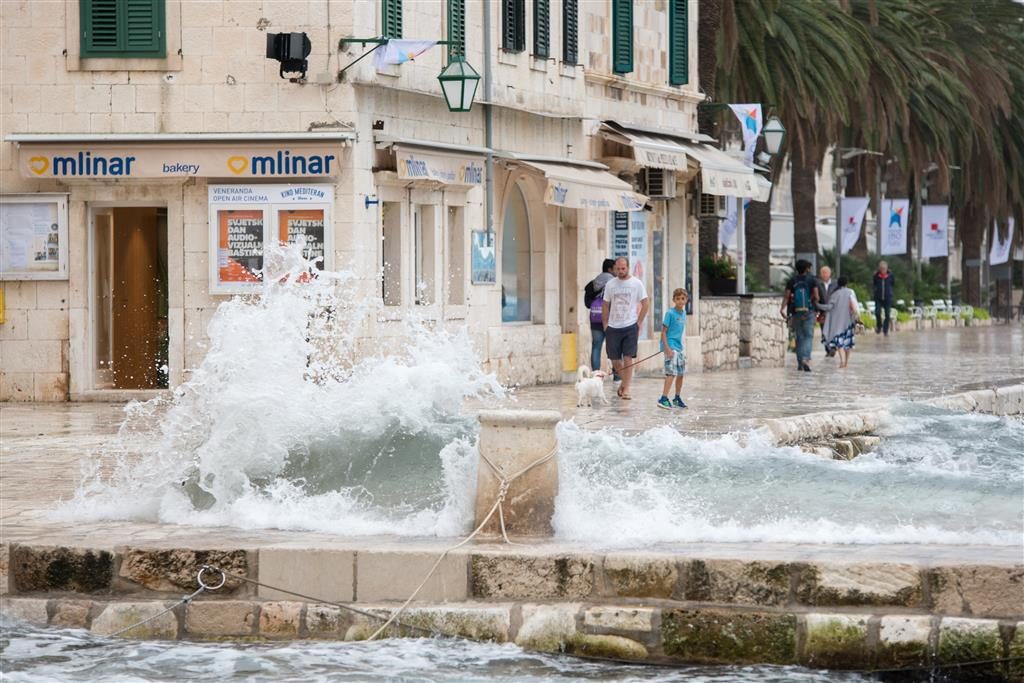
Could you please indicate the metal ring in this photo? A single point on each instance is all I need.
(199, 578)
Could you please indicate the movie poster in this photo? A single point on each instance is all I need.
(240, 245)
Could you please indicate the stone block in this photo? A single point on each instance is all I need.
(726, 637)
(49, 387)
(43, 568)
(5, 564)
(280, 619)
(71, 613)
(620, 618)
(606, 647)
(737, 582)
(15, 386)
(835, 641)
(15, 326)
(479, 623)
(326, 574)
(968, 640)
(980, 591)
(547, 627)
(1009, 400)
(176, 570)
(32, 356)
(394, 576)
(28, 610)
(639, 576)
(860, 584)
(323, 621)
(212, 619)
(903, 641)
(525, 577)
(120, 615)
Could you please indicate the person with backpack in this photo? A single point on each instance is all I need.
(593, 299)
(799, 307)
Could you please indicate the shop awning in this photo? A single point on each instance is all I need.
(649, 149)
(425, 160)
(583, 185)
(721, 174)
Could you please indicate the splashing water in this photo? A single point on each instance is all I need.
(292, 422)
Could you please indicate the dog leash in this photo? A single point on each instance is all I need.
(638, 362)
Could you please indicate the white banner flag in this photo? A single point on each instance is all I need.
(853, 212)
(727, 228)
(751, 122)
(895, 214)
(1000, 252)
(934, 228)
(397, 51)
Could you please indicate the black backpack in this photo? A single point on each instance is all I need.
(589, 294)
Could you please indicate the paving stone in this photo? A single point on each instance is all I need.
(829, 584)
(177, 570)
(835, 641)
(620, 618)
(325, 574)
(729, 637)
(40, 568)
(979, 591)
(220, 618)
(280, 619)
(71, 613)
(528, 577)
(394, 576)
(737, 582)
(639, 576)
(969, 640)
(32, 611)
(903, 641)
(120, 615)
(547, 627)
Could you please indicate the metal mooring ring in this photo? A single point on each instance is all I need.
(202, 570)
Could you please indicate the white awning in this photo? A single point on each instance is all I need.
(721, 174)
(586, 187)
(424, 160)
(650, 150)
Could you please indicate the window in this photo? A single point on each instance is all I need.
(513, 25)
(391, 18)
(456, 28)
(424, 252)
(123, 28)
(570, 14)
(678, 42)
(622, 36)
(515, 261)
(456, 271)
(541, 28)
(391, 253)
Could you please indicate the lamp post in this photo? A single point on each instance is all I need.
(459, 81)
(774, 135)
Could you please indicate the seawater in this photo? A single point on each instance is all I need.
(29, 655)
(290, 422)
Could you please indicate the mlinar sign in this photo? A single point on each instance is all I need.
(120, 161)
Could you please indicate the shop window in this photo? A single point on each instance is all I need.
(391, 253)
(123, 28)
(516, 280)
(513, 25)
(570, 24)
(391, 18)
(424, 256)
(678, 42)
(456, 274)
(622, 36)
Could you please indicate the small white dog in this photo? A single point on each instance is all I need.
(589, 386)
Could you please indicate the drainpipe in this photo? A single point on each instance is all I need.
(488, 123)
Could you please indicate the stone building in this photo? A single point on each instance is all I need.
(150, 149)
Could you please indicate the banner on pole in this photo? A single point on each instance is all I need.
(853, 210)
(895, 213)
(751, 121)
(1000, 252)
(934, 230)
(727, 228)
(397, 51)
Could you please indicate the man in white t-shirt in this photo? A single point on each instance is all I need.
(625, 306)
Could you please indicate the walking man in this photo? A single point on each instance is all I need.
(826, 285)
(885, 283)
(623, 312)
(800, 308)
(593, 298)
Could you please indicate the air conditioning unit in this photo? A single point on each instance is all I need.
(658, 183)
(711, 206)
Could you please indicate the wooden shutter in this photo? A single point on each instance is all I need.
(144, 26)
(622, 36)
(391, 18)
(541, 28)
(122, 28)
(456, 28)
(679, 42)
(570, 14)
(513, 25)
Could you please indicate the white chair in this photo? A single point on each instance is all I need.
(930, 312)
(939, 305)
(967, 311)
(916, 312)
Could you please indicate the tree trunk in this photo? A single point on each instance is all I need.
(759, 231)
(805, 233)
(708, 25)
(970, 239)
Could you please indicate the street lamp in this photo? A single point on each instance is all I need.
(458, 83)
(774, 135)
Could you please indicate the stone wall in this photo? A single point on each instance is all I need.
(763, 333)
(720, 332)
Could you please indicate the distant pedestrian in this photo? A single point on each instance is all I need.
(885, 284)
(840, 321)
(593, 299)
(625, 307)
(799, 307)
(672, 331)
(826, 285)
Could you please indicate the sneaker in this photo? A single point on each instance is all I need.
(663, 402)
(678, 402)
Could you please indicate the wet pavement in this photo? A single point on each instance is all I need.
(43, 446)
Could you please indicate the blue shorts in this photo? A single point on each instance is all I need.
(676, 365)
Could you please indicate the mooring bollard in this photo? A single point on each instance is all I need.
(511, 441)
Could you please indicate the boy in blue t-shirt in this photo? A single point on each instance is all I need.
(672, 332)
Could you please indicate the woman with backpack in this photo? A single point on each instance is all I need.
(593, 299)
(840, 321)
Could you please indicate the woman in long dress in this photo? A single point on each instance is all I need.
(840, 321)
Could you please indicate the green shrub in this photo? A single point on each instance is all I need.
(966, 314)
(981, 314)
(903, 316)
(942, 315)
(868, 319)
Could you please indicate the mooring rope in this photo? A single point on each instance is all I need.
(203, 586)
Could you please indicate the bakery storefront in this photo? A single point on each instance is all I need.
(151, 230)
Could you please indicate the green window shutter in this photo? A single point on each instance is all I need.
(391, 18)
(679, 42)
(570, 20)
(456, 28)
(513, 25)
(622, 36)
(541, 28)
(122, 28)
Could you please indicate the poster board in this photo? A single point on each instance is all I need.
(34, 237)
(245, 218)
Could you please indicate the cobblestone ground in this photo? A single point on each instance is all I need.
(43, 446)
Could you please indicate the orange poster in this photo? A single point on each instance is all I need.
(309, 223)
(240, 245)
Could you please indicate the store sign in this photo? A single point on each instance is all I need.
(579, 196)
(659, 158)
(729, 183)
(249, 160)
(441, 168)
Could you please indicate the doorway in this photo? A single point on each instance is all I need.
(129, 298)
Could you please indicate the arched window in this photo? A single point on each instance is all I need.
(515, 260)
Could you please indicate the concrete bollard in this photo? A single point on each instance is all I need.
(512, 440)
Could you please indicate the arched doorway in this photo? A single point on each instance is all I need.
(516, 281)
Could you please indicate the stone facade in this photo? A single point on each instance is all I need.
(720, 332)
(763, 333)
